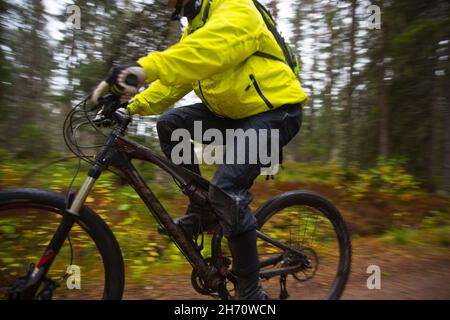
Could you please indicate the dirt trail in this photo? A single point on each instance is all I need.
(405, 275)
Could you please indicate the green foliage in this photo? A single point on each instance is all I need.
(435, 231)
(36, 143)
(436, 219)
(401, 236)
(388, 177)
(416, 32)
(119, 205)
(311, 172)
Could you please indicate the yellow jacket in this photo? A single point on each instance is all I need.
(216, 57)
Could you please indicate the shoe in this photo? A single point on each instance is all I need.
(195, 221)
(249, 288)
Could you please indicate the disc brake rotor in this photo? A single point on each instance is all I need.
(309, 264)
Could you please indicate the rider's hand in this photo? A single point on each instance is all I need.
(123, 80)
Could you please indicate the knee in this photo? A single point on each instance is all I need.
(167, 122)
(225, 208)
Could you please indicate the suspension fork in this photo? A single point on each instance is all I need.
(72, 211)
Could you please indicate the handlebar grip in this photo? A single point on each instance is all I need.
(132, 80)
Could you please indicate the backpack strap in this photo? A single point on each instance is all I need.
(271, 26)
(206, 12)
(200, 20)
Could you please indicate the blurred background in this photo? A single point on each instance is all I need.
(375, 138)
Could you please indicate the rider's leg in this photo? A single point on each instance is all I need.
(184, 118)
(246, 266)
(230, 196)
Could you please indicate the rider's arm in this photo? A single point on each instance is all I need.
(157, 98)
(229, 37)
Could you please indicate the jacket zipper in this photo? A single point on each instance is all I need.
(203, 96)
(258, 90)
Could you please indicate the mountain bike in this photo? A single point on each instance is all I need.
(303, 243)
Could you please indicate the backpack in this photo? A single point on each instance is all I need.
(290, 57)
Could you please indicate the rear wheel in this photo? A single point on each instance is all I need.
(317, 246)
(28, 220)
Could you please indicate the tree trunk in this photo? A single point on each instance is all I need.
(434, 162)
(446, 184)
(329, 118)
(274, 8)
(385, 114)
(348, 108)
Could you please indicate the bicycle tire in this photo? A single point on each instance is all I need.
(92, 224)
(306, 198)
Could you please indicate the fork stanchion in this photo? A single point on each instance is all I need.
(81, 196)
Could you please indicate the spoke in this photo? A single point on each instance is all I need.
(315, 238)
(314, 230)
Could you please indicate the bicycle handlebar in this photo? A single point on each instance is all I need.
(109, 104)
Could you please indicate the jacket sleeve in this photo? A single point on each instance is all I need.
(157, 98)
(230, 36)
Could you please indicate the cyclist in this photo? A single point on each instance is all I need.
(240, 89)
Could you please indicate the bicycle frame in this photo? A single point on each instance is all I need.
(123, 152)
(119, 152)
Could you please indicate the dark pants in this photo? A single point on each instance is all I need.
(229, 191)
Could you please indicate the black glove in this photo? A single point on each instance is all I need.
(123, 81)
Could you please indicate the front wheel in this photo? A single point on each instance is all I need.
(304, 247)
(91, 254)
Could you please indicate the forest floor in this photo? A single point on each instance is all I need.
(406, 273)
